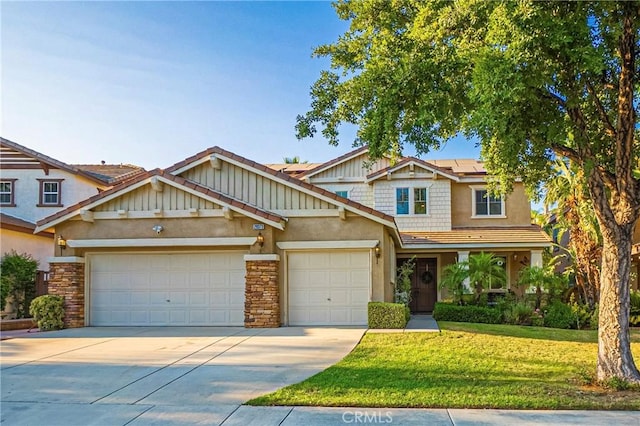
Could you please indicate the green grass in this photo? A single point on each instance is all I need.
(467, 365)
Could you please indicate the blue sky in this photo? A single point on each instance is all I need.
(151, 83)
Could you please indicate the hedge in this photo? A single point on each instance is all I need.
(467, 313)
(387, 315)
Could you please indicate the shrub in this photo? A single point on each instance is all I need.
(559, 315)
(18, 279)
(518, 313)
(403, 282)
(453, 277)
(583, 315)
(48, 312)
(468, 313)
(387, 315)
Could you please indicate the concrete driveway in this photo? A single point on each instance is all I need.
(157, 375)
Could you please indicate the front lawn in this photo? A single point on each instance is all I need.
(466, 365)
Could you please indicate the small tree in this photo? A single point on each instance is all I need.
(486, 272)
(403, 281)
(453, 277)
(18, 280)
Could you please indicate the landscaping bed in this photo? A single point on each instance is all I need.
(466, 366)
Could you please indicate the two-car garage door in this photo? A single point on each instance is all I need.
(329, 287)
(167, 289)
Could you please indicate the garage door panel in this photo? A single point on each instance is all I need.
(167, 289)
(328, 288)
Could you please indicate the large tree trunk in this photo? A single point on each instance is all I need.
(614, 345)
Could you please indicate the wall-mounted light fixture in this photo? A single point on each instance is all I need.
(377, 251)
(157, 229)
(62, 243)
(260, 239)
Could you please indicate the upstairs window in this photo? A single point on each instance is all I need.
(419, 200)
(412, 202)
(402, 200)
(7, 192)
(487, 205)
(50, 193)
(344, 194)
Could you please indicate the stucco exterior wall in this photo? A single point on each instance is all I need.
(39, 247)
(27, 192)
(517, 206)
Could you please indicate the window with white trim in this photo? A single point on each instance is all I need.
(7, 192)
(414, 202)
(50, 192)
(486, 205)
(344, 194)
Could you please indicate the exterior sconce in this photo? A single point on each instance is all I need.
(62, 243)
(377, 251)
(260, 239)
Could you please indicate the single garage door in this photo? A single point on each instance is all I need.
(328, 288)
(167, 289)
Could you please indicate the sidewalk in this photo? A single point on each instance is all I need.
(320, 416)
(417, 324)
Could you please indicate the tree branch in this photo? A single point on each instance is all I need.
(609, 129)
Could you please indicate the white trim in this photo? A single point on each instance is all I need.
(155, 213)
(474, 215)
(412, 200)
(306, 191)
(338, 179)
(278, 225)
(195, 163)
(261, 257)
(66, 259)
(307, 213)
(356, 153)
(162, 242)
(468, 246)
(392, 170)
(348, 244)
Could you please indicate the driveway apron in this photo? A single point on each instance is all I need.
(111, 375)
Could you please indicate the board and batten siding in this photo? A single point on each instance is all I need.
(146, 199)
(253, 189)
(353, 168)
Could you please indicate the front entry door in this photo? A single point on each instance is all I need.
(424, 286)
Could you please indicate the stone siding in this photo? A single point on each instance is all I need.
(67, 280)
(262, 295)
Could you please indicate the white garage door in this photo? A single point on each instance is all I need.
(167, 289)
(328, 288)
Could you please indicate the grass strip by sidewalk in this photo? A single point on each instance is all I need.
(465, 366)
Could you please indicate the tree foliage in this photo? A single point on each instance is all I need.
(532, 80)
(18, 280)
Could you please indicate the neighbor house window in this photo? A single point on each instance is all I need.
(7, 192)
(402, 200)
(412, 202)
(50, 192)
(344, 194)
(487, 205)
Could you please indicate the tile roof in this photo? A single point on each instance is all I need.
(464, 166)
(477, 235)
(177, 179)
(282, 176)
(295, 169)
(22, 155)
(337, 160)
(408, 160)
(112, 173)
(20, 225)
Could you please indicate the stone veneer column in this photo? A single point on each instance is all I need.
(66, 279)
(262, 291)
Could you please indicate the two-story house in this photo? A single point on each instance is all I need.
(218, 239)
(34, 186)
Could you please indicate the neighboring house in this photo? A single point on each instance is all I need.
(218, 239)
(33, 186)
